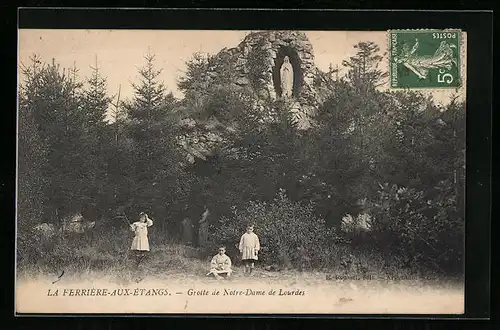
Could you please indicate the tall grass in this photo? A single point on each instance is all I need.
(105, 253)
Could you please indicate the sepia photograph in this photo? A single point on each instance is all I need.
(241, 172)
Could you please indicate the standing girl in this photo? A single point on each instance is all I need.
(249, 249)
(140, 244)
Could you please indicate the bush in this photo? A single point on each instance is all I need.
(31, 248)
(426, 230)
(289, 232)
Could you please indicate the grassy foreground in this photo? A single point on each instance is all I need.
(174, 261)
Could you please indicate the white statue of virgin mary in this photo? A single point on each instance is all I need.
(286, 75)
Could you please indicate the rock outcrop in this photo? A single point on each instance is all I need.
(255, 64)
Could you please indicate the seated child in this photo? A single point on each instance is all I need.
(220, 264)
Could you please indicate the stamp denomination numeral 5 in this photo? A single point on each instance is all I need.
(443, 77)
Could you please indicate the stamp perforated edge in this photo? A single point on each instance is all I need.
(427, 30)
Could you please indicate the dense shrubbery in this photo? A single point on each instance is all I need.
(425, 230)
(289, 232)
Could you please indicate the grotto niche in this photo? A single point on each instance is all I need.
(287, 54)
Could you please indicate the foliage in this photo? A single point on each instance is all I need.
(427, 231)
(95, 104)
(258, 58)
(363, 72)
(288, 231)
(156, 168)
(226, 103)
(31, 157)
(52, 96)
(96, 98)
(352, 224)
(193, 81)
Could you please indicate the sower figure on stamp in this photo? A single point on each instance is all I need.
(140, 244)
(420, 65)
(249, 248)
(220, 266)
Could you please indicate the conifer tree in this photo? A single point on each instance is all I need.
(32, 151)
(363, 68)
(96, 98)
(153, 128)
(54, 99)
(96, 137)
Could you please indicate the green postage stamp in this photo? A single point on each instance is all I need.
(425, 58)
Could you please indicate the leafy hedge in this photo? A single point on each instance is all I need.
(289, 232)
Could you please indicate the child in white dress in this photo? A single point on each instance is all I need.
(249, 249)
(140, 228)
(220, 266)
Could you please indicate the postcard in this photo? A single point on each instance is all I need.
(241, 172)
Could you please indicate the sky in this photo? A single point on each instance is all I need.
(119, 53)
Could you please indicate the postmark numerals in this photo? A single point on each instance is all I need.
(444, 35)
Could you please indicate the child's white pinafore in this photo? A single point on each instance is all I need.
(141, 242)
(249, 246)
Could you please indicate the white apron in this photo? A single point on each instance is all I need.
(249, 246)
(141, 242)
